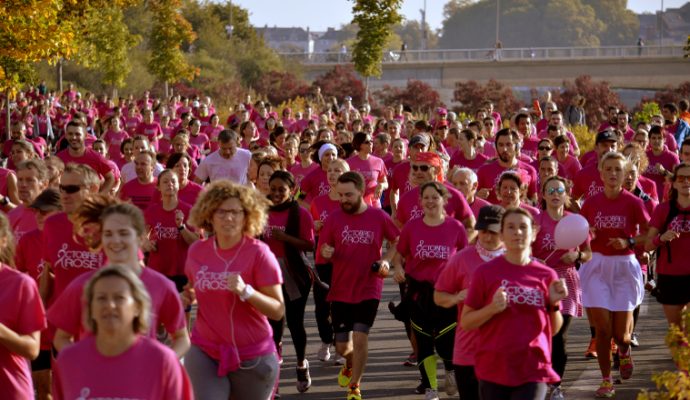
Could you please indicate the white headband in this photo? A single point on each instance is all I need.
(325, 147)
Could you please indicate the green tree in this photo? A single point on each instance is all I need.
(169, 30)
(620, 25)
(375, 19)
(411, 32)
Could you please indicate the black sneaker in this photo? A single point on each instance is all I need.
(421, 389)
(303, 378)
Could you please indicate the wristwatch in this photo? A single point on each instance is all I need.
(5, 201)
(181, 227)
(553, 308)
(631, 242)
(247, 292)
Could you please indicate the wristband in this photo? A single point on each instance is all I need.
(657, 240)
(5, 201)
(579, 257)
(553, 308)
(247, 292)
(631, 242)
(181, 228)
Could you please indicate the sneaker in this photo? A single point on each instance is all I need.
(431, 394)
(614, 347)
(344, 376)
(420, 389)
(605, 391)
(634, 340)
(340, 360)
(626, 365)
(450, 385)
(592, 349)
(411, 360)
(303, 378)
(354, 393)
(557, 393)
(324, 353)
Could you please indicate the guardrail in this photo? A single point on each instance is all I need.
(492, 54)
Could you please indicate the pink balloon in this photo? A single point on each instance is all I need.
(571, 231)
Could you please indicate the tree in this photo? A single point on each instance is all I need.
(621, 25)
(411, 33)
(672, 95)
(169, 31)
(687, 48)
(375, 19)
(341, 81)
(598, 94)
(471, 95)
(417, 95)
(281, 86)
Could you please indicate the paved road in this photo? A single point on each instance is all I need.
(387, 378)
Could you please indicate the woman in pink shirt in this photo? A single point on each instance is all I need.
(509, 191)
(514, 302)
(21, 320)
(183, 165)
(372, 168)
(266, 167)
(237, 283)
(117, 311)
(212, 131)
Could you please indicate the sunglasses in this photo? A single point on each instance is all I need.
(70, 189)
(682, 178)
(423, 168)
(559, 190)
(544, 148)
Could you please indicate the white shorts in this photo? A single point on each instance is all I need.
(614, 283)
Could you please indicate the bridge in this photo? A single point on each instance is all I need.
(624, 67)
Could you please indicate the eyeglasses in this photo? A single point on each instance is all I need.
(682, 178)
(70, 189)
(545, 148)
(222, 213)
(559, 190)
(423, 168)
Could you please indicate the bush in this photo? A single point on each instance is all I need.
(645, 111)
(471, 95)
(339, 82)
(673, 95)
(585, 137)
(420, 97)
(278, 86)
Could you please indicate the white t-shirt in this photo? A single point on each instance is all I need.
(216, 167)
(128, 172)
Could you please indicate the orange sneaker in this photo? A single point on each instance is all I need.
(592, 349)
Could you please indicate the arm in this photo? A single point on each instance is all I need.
(12, 191)
(26, 346)
(267, 299)
(448, 300)
(180, 342)
(62, 340)
(108, 182)
(189, 236)
(473, 319)
(299, 243)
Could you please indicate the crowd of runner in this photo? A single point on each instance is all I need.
(149, 249)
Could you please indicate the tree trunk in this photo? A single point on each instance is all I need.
(366, 89)
(59, 77)
(166, 89)
(7, 115)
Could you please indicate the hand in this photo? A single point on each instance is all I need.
(179, 218)
(500, 300)
(399, 275)
(569, 257)
(278, 234)
(188, 296)
(318, 224)
(557, 290)
(669, 236)
(483, 193)
(643, 258)
(660, 168)
(149, 245)
(384, 268)
(327, 251)
(236, 283)
(378, 191)
(461, 295)
(618, 243)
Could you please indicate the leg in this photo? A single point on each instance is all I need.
(493, 391)
(622, 324)
(529, 391)
(360, 353)
(294, 313)
(468, 386)
(673, 313)
(426, 359)
(42, 384)
(601, 319)
(559, 357)
(255, 379)
(202, 371)
(322, 310)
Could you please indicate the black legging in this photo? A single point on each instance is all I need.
(322, 308)
(527, 391)
(466, 379)
(294, 314)
(559, 357)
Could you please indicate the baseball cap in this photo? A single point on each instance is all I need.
(417, 139)
(489, 218)
(606, 136)
(47, 200)
(441, 111)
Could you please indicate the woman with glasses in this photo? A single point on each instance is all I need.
(545, 148)
(372, 168)
(237, 283)
(555, 200)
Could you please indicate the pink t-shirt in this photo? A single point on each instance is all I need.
(22, 221)
(22, 312)
(668, 159)
(200, 141)
(614, 218)
(67, 258)
(171, 248)
(141, 194)
(166, 307)
(374, 171)
(589, 158)
(460, 160)
(454, 278)
(299, 172)
(679, 265)
(149, 369)
(409, 206)
(477, 205)
(400, 180)
(520, 335)
(114, 141)
(131, 124)
(222, 318)
(569, 168)
(530, 146)
(489, 174)
(152, 131)
(587, 183)
(26, 258)
(320, 208)
(90, 158)
(427, 248)
(357, 239)
(315, 184)
(278, 220)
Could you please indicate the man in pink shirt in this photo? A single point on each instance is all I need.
(352, 238)
(556, 119)
(530, 142)
(661, 159)
(32, 179)
(465, 180)
(79, 154)
(623, 125)
(140, 191)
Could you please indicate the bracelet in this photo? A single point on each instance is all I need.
(181, 228)
(657, 240)
(631, 242)
(553, 308)
(247, 292)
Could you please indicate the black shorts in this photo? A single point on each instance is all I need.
(42, 362)
(180, 282)
(672, 289)
(345, 315)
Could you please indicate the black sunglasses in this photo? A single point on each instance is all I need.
(544, 148)
(70, 189)
(423, 168)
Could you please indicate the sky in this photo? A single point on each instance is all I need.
(318, 15)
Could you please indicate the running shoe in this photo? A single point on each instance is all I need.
(420, 389)
(431, 394)
(340, 360)
(354, 393)
(634, 340)
(614, 347)
(411, 360)
(344, 376)
(592, 349)
(450, 385)
(605, 391)
(627, 365)
(324, 353)
(556, 393)
(303, 378)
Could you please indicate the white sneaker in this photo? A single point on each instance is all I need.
(450, 385)
(303, 378)
(431, 394)
(557, 394)
(324, 353)
(340, 360)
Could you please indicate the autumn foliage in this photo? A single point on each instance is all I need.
(417, 95)
(599, 97)
(278, 86)
(471, 95)
(341, 81)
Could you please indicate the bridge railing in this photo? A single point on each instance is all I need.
(491, 54)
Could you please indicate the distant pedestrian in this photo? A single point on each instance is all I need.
(640, 45)
(403, 51)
